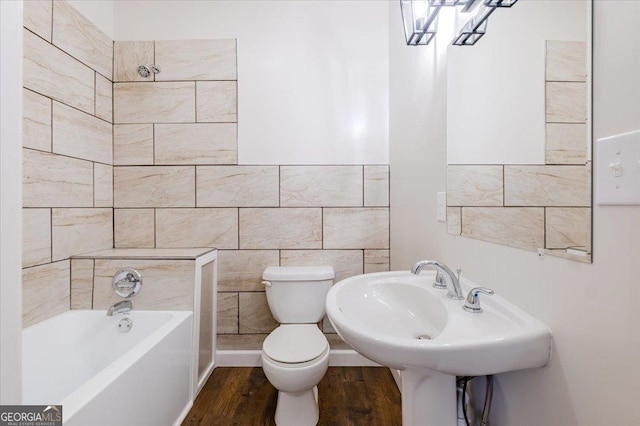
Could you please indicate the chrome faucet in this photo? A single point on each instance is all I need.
(448, 277)
(121, 307)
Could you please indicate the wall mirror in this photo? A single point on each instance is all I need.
(519, 130)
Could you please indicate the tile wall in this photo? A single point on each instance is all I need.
(177, 183)
(536, 206)
(67, 155)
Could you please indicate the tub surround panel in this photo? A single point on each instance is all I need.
(104, 98)
(217, 101)
(128, 56)
(102, 185)
(197, 228)
(37, 17)
(227, 313)
(134, 228)
(284, 228)
(75, 34)
(45, 291)
(254, 314)
(321, 186)
(237, 186)
(55, 74)
(166, 102)
(241, 270)
(36, 237)
(36, 121)
(196, 143)
(133, 144)
(154, 186)
(80, 135)
(376, 186)
(355, 228)
(71, 228)
(521, 227)
(82, 283)
(196, 59)
(471, 185)
(376, 261)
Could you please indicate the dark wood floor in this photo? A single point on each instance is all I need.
(348, 396)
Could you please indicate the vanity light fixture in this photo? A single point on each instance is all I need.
(420, 18)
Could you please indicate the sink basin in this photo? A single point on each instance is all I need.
(399, 320)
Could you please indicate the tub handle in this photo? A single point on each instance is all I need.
(266, 283)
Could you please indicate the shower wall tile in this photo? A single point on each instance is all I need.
(254, 314)
(45, 291)
(168, 284)
(217, 101)
(196, 143)
(81, 283)
(104, 98)
(566, 143)
(70, 229)
(134, 228)
(128, 56)
(241, 341)
(376, 261)
(241, 270)
(472, 185)
(227, 313)
(547, 186)
(37, 17)
(53, 73)
(102, 185)
(56, 181)
(284, 228)
(167, 102)
(196, 59)
(454, 220)
(521, 227)
(376, 186)
(568, 227)
(566, 102)
(79, 37)
(133, 144)
(366, 228)
(346, 263)
(237, 186)
(36, 237)
(36, 121)
(81, 135)
(197, 228)
(154, 186)
(566, 61)
(320, 186)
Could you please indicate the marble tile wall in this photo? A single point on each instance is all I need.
(178, 183)
(533, 207)
(67, 151)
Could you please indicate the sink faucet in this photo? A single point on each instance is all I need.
(450, 279)
(121, 307)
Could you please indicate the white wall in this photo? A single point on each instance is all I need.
(312, 75)
(100, 12)
(593, 378)
(11, 202)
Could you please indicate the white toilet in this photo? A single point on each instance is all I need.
(295, 356)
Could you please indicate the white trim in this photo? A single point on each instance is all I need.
(252, 358)
(11, 202)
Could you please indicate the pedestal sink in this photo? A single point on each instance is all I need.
(399, 320)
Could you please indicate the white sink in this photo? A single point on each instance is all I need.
(399, 320)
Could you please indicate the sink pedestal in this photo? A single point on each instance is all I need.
(428, 398)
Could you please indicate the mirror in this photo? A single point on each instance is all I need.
(519, 130)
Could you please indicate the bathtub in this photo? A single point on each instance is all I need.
(102, 376)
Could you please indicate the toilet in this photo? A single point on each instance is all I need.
(295, 356)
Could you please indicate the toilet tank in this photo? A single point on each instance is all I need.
(296, 294)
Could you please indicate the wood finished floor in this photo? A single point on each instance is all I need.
(348, 396)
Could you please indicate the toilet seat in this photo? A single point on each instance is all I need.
(295, 343)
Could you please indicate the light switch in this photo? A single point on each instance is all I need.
(618, 169)
(441, 214)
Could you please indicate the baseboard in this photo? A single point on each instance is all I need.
(252, 358)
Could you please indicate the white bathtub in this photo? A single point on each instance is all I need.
(102, 376)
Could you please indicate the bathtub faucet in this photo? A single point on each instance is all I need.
(121, 307)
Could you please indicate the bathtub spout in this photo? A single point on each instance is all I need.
(121, 307)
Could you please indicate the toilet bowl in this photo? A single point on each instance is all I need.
(295, 356)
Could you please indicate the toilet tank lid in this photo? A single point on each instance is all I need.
(298, 273)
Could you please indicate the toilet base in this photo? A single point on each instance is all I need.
(297, 408)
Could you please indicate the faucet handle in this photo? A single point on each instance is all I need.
(472, 304)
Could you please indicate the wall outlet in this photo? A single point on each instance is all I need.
(441, 213)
